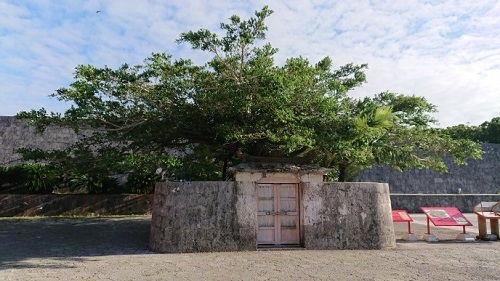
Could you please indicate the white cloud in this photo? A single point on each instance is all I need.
(447, 51)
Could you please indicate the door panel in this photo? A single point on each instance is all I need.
(289, 215)
(278, 216)
(265, 218)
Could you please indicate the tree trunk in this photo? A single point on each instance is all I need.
(342, 172)
(224, 169)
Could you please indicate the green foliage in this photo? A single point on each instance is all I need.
(200, 164)
(462, 131)
(29, 177)
(487, 132)
(40, 177)
(144, 170)
(142, 181)
(491, 131)
(240, 99)
(391, 129)
(91, 183)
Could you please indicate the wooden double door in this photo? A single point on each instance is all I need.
(278, 214)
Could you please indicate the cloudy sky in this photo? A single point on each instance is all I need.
(446, 51)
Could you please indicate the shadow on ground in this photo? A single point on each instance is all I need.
(63, 242)
(77, 239)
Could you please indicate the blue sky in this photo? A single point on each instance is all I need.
(446, 51)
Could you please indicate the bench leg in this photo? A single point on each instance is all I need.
(481, 224)
(494, 226)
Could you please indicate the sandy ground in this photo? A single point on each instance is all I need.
(116, 249)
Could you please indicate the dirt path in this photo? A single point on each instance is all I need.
(116, 249)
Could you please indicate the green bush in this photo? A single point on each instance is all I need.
(40, 177)
(29, 178)
(142, 181)
(91, 183)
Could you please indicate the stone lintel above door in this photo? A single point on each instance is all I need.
(278, 173)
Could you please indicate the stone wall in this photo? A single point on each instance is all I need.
(222, 216)
(74, 204)
(463, 186)
(200, 217)
(478, 177)
(348, 216)
(15, 133)
(464, 202)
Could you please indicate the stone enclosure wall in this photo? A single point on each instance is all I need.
(200, 217)
(348, 216)
(478, 177)
(463, 187)
(222, 216)
(16, 133)
(464, 202)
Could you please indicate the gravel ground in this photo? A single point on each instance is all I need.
(115, 248)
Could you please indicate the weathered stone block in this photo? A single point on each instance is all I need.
(200, 217)
(350, 216)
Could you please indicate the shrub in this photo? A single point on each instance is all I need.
(91, 183)
(40, 177)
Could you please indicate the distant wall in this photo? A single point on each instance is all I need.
(464, 202)
(14, 133)
(478, 177)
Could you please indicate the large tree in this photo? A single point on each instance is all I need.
(391, 129)
(241, 99)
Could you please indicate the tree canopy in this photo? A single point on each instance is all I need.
(487, 132)
(190, 119)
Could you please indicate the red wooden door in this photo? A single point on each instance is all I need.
(278, 215)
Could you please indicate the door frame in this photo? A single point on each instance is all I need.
(283, 179)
